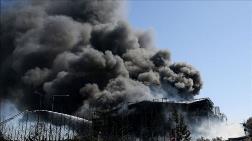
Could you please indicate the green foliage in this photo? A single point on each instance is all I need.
(180, 131)
(248, 126)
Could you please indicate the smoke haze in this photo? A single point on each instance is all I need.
(225, 130)
(85, 49)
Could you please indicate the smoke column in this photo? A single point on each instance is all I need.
(85, 49)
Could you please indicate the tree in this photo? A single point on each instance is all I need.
(180, 131)
(202, 139)
(217, 139)
(1, 137)
(248, 126)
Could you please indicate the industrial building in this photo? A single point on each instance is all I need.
(152, 119)
(130, 121)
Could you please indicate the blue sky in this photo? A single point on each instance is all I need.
(213, 36)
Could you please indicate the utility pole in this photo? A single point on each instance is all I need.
(0, 110)
(40, 99)
(57, 96)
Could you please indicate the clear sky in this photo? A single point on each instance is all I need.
(213, 36)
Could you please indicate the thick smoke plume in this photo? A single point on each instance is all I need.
(83, 48)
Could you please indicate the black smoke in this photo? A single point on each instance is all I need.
(86, 49)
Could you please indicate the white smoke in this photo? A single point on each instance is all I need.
(7, 109)
(219, 129)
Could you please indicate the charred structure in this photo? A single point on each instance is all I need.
(145, 120)
(152, 119)
(87, 50)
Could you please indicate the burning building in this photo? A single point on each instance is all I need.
(132, 121)
(87, 50)
(153, 119)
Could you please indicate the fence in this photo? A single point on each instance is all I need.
(36, 125)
